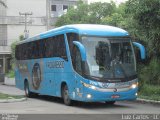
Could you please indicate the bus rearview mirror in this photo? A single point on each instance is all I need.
(81, 49)
(141, 48)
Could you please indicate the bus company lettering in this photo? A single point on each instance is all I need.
(55, 64)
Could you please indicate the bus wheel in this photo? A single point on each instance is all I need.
(66, 98)
(28, 93)
(110, 102)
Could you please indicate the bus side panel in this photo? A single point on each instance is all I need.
(69, 79)
(17, 78)
(20, 76)
(54, 75)
(36, 69)
(24, 72)
(48, 84)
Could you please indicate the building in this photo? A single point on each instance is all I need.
(12, 25)
(44, 15)
(56, 8)
(15, 22)
(4, 49)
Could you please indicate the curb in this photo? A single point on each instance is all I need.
(8, 85)
(147, 101)
(12, 100)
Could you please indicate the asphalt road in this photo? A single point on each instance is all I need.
(49, 105)
(44, 108)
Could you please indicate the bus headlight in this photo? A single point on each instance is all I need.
(89, 96)
(89, 85)
(136, 94)
(134, 85)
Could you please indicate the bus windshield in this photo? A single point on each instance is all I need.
(109, 57)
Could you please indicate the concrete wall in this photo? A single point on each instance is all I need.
(37, 7)
(3, 27)
(2, 9)
(14, 31)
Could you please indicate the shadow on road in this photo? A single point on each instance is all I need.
(84, 105)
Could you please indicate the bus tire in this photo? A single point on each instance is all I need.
(65, 95)
(28, 93)
(110, 102)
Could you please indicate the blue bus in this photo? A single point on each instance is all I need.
(81, 62)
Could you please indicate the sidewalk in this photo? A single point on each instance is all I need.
(11, 90)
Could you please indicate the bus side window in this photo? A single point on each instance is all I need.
(72, 37)
(61, 47)
(76, 60)
(17, 52)
(55, 47)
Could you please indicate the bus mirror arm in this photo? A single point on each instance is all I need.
(141, 48)
(81, 49)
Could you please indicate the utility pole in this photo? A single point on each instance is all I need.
(47, 14)
(26, 32)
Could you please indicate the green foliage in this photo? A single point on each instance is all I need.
(13, 60)
(98, 11)
(150, 74)
(11, 74)
(115, 19)
(150, 97)
(6, 96)
(13, 46)
(145, 18)
(21, 37)
(74, 15)
(150, 92)
(87, 14)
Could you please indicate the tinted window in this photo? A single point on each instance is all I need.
(72, 37)
(75, 55)
(76, 60)
(45, 48)
(56, 47)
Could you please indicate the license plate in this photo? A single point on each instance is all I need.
(115, 96)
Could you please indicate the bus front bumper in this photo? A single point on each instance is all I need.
(98, 96)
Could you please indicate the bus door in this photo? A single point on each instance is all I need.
(77, 66)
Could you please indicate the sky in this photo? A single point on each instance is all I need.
(117, 1)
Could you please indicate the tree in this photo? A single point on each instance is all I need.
(140, 18)
(98, 11)
(13, 59)
(143, 23)
(74, 15)
(21, 37)
(13, 46)
(87, 14)
(115, 19)
(145, 18)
